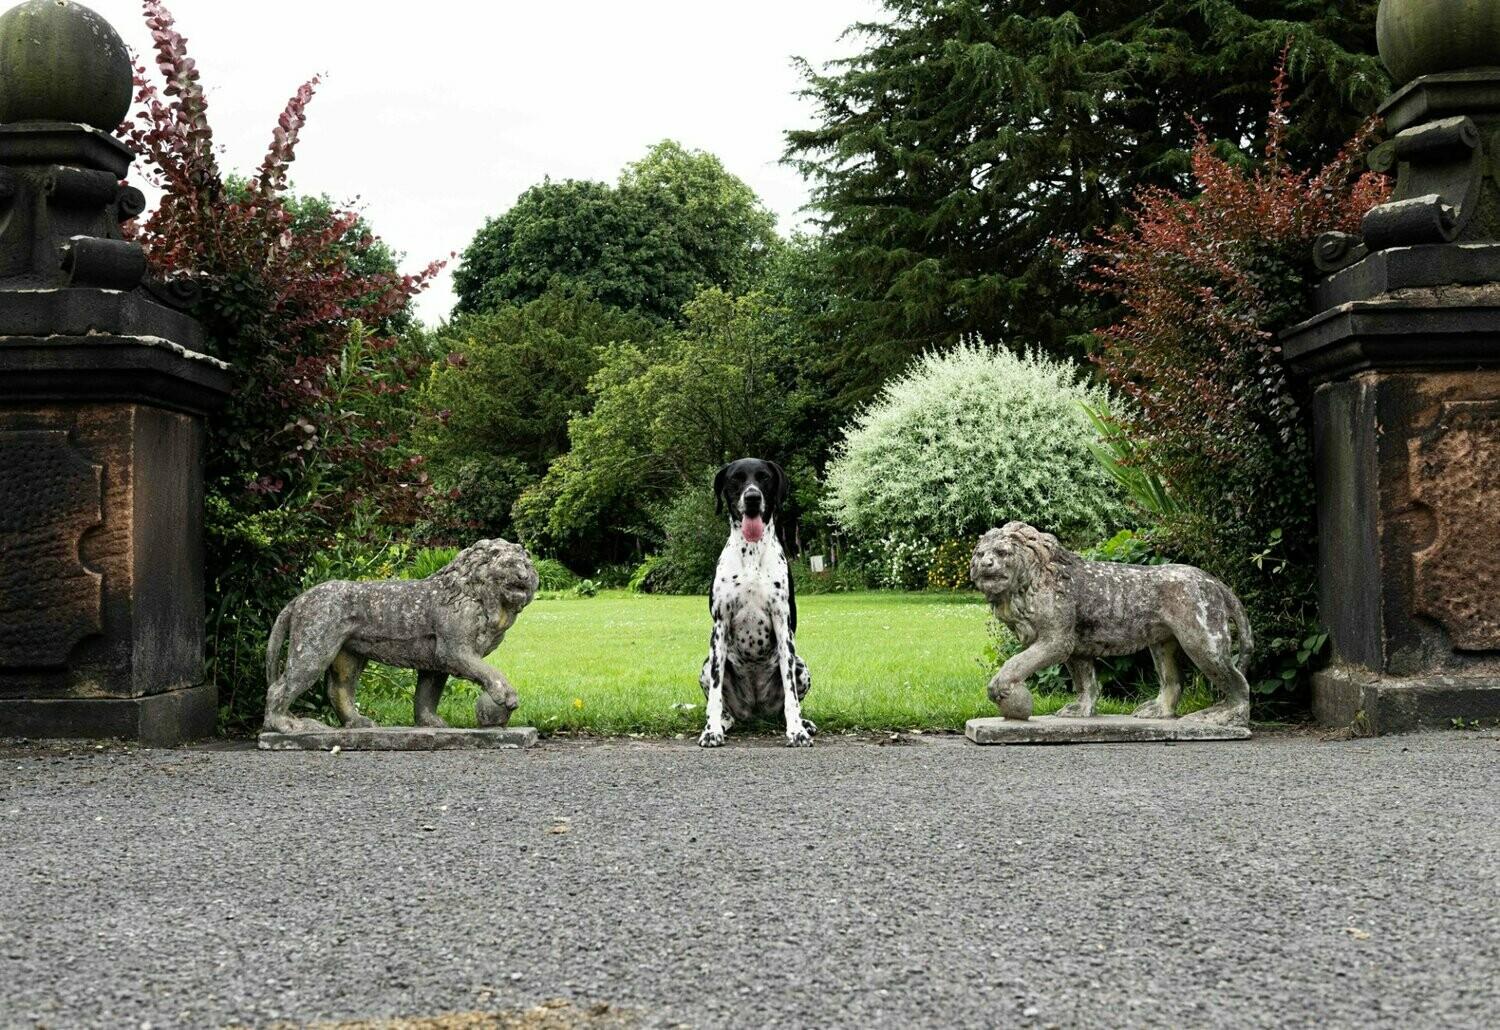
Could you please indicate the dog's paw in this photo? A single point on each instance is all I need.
(799, 737)
(711, 737)
(811, 727)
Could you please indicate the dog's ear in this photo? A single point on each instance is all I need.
(783, 486)
(719, 490)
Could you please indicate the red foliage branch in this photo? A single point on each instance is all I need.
(178, 131)
(1206, 283)
(272, 176)
(280, 300)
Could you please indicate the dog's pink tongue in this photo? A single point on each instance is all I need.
(753, 528)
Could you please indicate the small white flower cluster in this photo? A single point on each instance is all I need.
(895, 563)
(967, 439)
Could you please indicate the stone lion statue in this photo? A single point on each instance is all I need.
(441, 626)
(1068, 611)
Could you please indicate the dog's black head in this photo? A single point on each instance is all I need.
(752, 490)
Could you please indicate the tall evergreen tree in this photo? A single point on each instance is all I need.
(971, 137)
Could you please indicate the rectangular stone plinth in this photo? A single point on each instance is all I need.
(1101, 729)
(156, 720)
(402, 738)
(1367, 703)
(102, 443)
(1406, 419)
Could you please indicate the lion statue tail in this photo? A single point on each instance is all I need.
(273, 646)
(1242, 628)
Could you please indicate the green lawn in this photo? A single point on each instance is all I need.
(627, 663)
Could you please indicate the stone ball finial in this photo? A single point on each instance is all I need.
(62, 62)
(1421, 37)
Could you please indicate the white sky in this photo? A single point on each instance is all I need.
(434, 115)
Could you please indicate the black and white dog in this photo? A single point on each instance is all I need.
(752, 669)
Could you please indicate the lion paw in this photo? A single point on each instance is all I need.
(1154, 709)
(437, 722)
(711, 738)
(1076, 710)
(360, 722)
(292, 724)
(1225, 713)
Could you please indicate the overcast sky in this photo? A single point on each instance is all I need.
(434, 115)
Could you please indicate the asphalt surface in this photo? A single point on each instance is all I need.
(1281, 881)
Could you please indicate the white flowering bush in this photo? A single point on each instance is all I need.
(973, 438)
(896, 563)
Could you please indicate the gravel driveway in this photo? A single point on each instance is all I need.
(1281, 881)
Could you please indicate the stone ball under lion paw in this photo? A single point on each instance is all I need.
(1015, 702)
(487, 713)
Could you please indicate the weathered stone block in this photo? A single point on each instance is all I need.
(157, 720)
(1408, 490)
(1365, 703)
(102, 522)
(401, 738)
(1098, 729)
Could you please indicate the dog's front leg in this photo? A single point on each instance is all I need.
(713, 732)
(796, 732)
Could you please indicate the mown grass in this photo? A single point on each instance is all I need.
(625, 663)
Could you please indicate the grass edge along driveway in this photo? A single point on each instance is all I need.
(622, 663)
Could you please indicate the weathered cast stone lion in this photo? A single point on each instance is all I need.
(441, 626)
(1066, 610)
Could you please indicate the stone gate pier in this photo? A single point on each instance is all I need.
(1405, 361)
(103, 396)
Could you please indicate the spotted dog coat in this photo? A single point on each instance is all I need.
(753, 670)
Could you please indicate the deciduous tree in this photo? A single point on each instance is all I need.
(676, 222)
(724, 386)
(513, 379)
